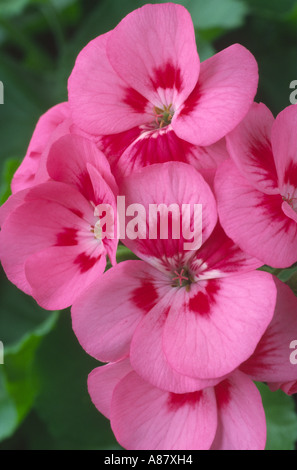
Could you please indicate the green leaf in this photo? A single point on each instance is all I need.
(8, 411)
(10, 167)
(12, 7)
(16, 7)
(226, 14)
(64, 404)
(275, 9)
(19, 384)
(21, 109)
(20, 314)
(281, 419)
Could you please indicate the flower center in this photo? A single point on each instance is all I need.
(163, 116)
(182, 278)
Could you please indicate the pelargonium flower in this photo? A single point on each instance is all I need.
(141, 87)
(185, 317)
(228, 416)
(51, 242)
(257, 191)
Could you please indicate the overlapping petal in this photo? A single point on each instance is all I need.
(25, 175)
(241, 417)
(254, 220)
(271, 360)
(250, 147)
(144, 417)
(104, 322)
(284, 145)
(168, 184)
(211, 331)
(101, 102)
(153, 49)
(222, 97)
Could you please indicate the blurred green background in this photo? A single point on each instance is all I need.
(43, 397)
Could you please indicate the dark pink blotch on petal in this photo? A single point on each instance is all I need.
(192, 101)
(135, 100)
(85, 262)
(167, 76)
(178, 400)
(250, 147)
(146, 296)
(202, 302)
(223, 394)
(290, 175)
(67, 238)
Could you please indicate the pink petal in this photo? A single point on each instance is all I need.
(103, 196)
(222, 97)
(102, 382)
(216, 326)
(241, 416)
(67, 162)
(289, 211)
(254, 220)
(11, 204)
(250, 147)
(148, 358)
(48, 122)
(168, 183)
(101, 102)
(114, 145)
(69, 271)
(284, 144)
(104, 322)
(163, 145)
(153, 49)
(220, 257)
(271, 360)
(48, 211)
(144, 417)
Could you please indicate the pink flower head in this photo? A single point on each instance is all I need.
(141, 87)
(52, 243)
(229, 416)
(257, 191)
(185, 317)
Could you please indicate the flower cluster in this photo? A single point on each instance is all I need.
(184, 328)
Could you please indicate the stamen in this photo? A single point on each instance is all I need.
(163, 117)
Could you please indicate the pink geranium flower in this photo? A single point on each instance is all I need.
(141, 88)
(182, 316)
(229, 416)
(257, 191)
(51, 243)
